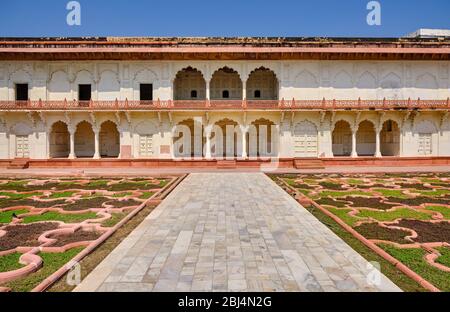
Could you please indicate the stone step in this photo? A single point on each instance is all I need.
(226, 164)
(19, 163)
(308, 163)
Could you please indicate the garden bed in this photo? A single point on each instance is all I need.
(408, 215)
(58, 214)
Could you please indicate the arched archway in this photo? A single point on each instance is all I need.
(59, 140)
(263, 142)
(262, 84)
(109, 140)
(190, 140)
(189, 84)
(390, 139)
(226, 84)
(84, 140)
(225, 145)
(306, 140)
(342, 139)
(366, 139)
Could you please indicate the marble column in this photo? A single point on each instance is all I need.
(244, 131)
(208, 90)
(354, 153)
(72, 144)
(97, 143)
(208, 144)
(377, 143)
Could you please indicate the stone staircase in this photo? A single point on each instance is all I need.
(308, 163)
(18, 163)
(226, 164)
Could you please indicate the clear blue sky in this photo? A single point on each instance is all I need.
(220, 18)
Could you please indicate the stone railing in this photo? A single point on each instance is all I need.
(158, 105)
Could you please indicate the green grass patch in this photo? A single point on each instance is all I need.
(146, 195)
(344, 216)
(401, 213)
(10, 262)
(355, 182)
(115, 218)
(98, 183)
(56, 216)
(52, 262)
(438, 192)
(163, 182)
(14, 196)
(304, 192)
(430, 180)
(122, 194)
(62, 194)
(444, 259)
(337, 194)
(6, 216)
(414, 259)
(445, 211)
(391, 193)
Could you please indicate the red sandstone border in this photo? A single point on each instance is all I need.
(399, 265)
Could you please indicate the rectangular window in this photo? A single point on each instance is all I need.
(84, 92)
(22, 92)
(146, 92)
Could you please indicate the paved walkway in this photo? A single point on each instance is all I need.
(232, 232)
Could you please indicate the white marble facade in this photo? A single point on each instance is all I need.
(69, 134)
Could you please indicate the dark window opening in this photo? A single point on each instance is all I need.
(146, 92)
(22, 92)
(193, 94)
(389, 126)
(257, 94)
(225, 94)
(84, 92)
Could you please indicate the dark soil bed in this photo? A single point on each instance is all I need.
(17, 185)
(332, 186)
(6, 203)
(428, 232)
(374, 231)
(24, 235)
(366, 186)
(132, 186)
(371, 202)
(124, 203)
(302, 186)
(417, 186)
(87, 203)
(417, 201)
(331, 202)
(78, 236)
